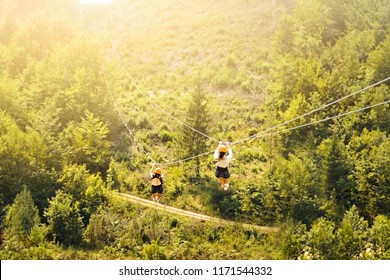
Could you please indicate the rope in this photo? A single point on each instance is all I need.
(323, 120)
(293, 128)
(187, 159)
(176, 119)
(122, 117)
(311, 112)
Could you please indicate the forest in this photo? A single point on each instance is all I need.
(92, 94)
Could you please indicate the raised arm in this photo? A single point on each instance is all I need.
(151, 170)
(162, 172)
(230, 154)
(216, 153)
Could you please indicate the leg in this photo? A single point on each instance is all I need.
(221, 181)
(226, 184)
(218, 176)
(226, 179)
(152, 192)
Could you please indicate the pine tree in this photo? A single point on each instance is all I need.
(85, 143)
(22, 215)
(197, 118)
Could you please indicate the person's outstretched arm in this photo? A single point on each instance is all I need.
(230, 155)
(151, 171)
(216, 153)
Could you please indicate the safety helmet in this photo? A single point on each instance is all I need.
(157, 170)
(222, 149)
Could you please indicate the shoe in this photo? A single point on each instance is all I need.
(225, 187)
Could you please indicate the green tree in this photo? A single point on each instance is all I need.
(22, 215)
(306, 29)
(293, 240)
(96, 194)
(85, 143)
(89, 190)
(64, 221)
(291, 190)
(380, 236)
(352, 235)
(335, 171)
(74, 181)
(101, 229)
(369, 152)
(25, 160)
(368, 15)
(198, 118)
(10, 97)
(379, 61)
(321, 239)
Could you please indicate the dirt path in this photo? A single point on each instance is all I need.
(201, 217)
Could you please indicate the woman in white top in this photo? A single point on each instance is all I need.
(221, 161)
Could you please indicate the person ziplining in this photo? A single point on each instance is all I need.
(156, 175)
(222, 156)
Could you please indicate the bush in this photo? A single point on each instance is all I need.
(64, 219)
(153, 251)
(165, 136)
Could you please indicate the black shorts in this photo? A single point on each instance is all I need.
(157, 189)
(221, 172)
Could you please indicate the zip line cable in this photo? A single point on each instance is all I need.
(313, 111)
(176, 119)
(122, 117)
(187, 159)
(295, 127)
(324, 120)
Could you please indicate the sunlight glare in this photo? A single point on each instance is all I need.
(95, 2)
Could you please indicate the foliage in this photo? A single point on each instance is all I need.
(22, 215)
(64, 221)
(86, 143)
(88, 190)
(351, 234)
(25, 161)
(198, 119)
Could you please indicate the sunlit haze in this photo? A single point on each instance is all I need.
(93, 2)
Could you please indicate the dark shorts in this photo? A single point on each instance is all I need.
(221, 172)
(157, 189)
